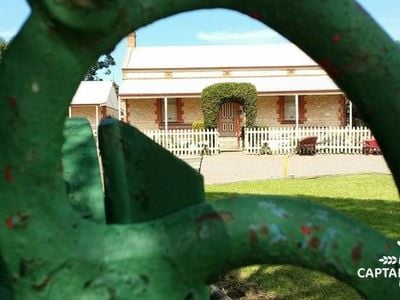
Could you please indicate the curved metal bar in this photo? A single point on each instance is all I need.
(270, 230)
(174, 257)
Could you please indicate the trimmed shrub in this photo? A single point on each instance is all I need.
(197, 125)
(215, 95)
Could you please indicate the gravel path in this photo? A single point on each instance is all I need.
(235, 166)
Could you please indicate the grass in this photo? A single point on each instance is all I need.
(369, 198)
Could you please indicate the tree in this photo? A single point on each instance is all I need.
(3, 46)
(104, 63)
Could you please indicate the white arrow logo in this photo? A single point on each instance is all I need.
(388, 260)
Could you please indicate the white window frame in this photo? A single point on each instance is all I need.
(289, 100)
(172, 110)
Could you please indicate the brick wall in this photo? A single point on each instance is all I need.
(267, 111)
(88, 112)
(142, 113)
(324, 110)
(192, 110)
(112, 112)
(320, 110)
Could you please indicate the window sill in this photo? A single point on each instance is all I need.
(175, 125)
(290, 121)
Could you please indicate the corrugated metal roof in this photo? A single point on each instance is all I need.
(194, 86)
(95, 93)
(177, 57)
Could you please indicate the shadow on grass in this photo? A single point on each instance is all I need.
(289, 282)
(381, 215)
(285, 282)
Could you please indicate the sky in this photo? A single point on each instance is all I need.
(201, 27)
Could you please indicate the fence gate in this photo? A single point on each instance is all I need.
(228, 119)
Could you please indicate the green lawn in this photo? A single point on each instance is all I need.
(369, 198)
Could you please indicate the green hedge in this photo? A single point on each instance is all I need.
(198, 125)
(215, 95)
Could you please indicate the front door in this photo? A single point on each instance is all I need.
(229, 119)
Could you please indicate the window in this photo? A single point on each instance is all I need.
(174, 111)
(171, 110)
(289, 108)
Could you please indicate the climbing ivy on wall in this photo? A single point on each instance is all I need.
(215, 95)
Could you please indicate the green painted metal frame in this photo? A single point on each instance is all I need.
(51, 252)
(82, 176)
(143, 182)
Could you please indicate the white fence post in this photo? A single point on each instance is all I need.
(279, 140)
(186, 141)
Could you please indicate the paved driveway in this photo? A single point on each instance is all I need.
(236, 166)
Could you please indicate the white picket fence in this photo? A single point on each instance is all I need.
(283, 140)
(186, 141)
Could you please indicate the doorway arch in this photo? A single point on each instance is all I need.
(217, 94)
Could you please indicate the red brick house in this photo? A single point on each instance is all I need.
(162, 86)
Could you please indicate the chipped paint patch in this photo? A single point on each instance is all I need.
(203, 232)
(18, 220)
(277, 211)
(389, 247)
(9, 223)
(215, 216)
(356, 253)
(253, 238)
(254, 230)
(264, 230)
(277, 234)
(321, 215)
(12, 101)
(266, 204)
(35, 87)
(314, 242)
(261, 228)
(306, 230)
(280, 212)
(8, 174)
(328, 237)
(336, 38)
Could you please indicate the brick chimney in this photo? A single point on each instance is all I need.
(132, 40)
